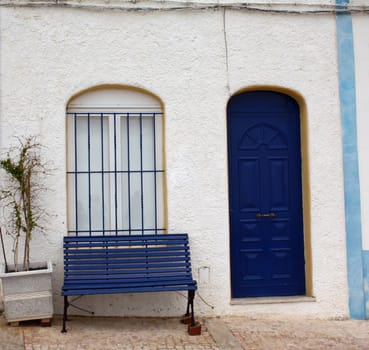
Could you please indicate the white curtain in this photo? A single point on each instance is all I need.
(115, 172)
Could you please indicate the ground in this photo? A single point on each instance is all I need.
(225, 333)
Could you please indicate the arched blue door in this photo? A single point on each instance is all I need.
(266, 221)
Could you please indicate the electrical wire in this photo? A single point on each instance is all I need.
(201, 298)
(165, 5)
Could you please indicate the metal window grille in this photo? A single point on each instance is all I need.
(115, 173)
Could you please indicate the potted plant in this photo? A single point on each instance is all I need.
(26, 286)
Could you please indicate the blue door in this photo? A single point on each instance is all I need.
(266, 221)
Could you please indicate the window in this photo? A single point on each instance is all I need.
(115, 163)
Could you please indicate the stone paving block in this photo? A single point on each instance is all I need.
(222, 335)
(294, 333)
(116, 333)
(11, 338)
(226, 333)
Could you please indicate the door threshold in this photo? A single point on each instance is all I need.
(273, 300)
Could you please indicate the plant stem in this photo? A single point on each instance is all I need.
(4, 254)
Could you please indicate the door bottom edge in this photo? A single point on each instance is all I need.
(273, 300)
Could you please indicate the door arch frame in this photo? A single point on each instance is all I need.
(305, 173)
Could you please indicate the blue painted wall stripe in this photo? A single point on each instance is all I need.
(365, 256)
(346, 73)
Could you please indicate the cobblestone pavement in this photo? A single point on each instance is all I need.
(299, 333)
(226, 333)
(114, 333)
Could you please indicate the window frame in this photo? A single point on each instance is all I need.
(116, 114)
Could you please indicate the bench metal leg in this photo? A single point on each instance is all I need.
(191, 297)
(194, 328)
(66, 304)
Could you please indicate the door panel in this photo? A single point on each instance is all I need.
(279, 184)
(267, 249)
(249, 185)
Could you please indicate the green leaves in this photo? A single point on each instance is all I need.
(12, 168)
(21, 164)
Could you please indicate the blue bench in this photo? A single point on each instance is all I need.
(127, 264)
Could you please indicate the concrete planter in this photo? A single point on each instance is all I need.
(27, 295)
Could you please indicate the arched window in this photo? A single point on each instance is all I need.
(115, 163)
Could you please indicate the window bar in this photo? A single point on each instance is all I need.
(102, 173)
(89, 169)
(155, 179)
(76, 174)
(115, 175)
(118, 171)
(129, 177)
(141, 175)
(150, 229)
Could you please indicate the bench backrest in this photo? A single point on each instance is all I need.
(137, 260)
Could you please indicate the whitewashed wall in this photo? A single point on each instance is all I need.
(50, 54)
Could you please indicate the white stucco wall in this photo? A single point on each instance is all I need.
(50, 54)
(361, 49)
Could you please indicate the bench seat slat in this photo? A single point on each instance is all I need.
(81, 273)
(111, 266)
(122, 283)
(114, 261)
(126, 287)
(125, 243)
(127, 272)
(179, 280)
(123, 288)
(153, 269)
(122, 245)
(127, 266)
(131, 265)
(127, 278)
(127, 250)
(138, 260)
(81, 254)
(130, 273)
(93, 291)
(140, 238)
(130, 277)
(122, 238)
(136, 281)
